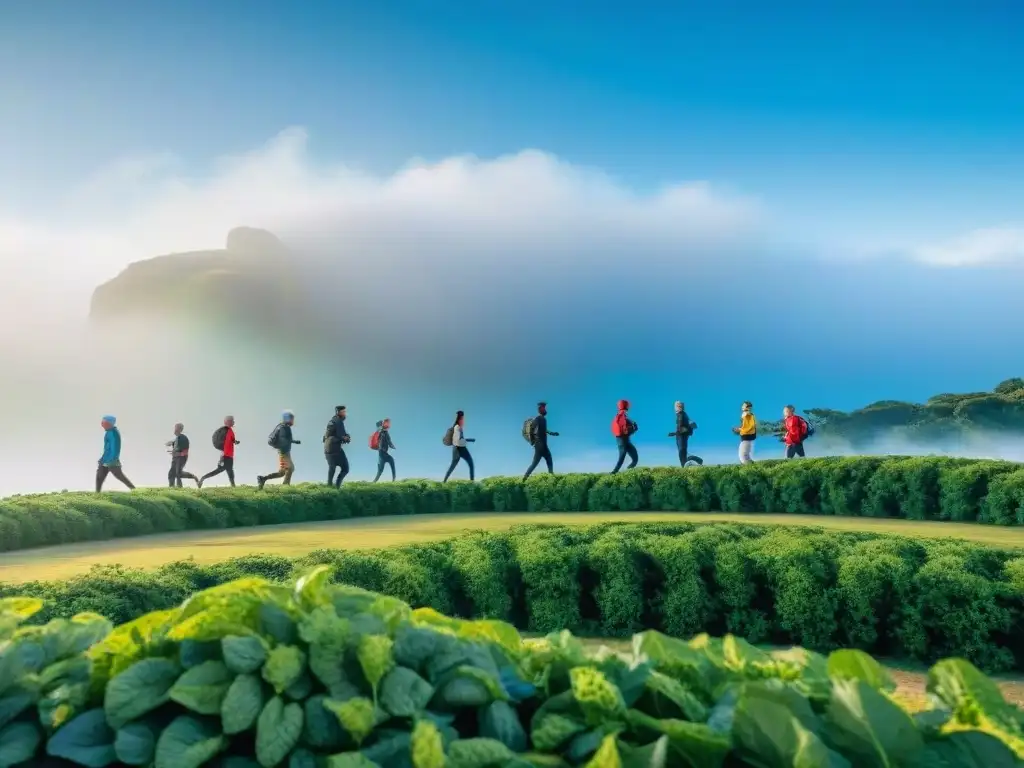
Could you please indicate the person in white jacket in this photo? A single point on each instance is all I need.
(459, 449)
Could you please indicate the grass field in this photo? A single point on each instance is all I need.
(50, 563)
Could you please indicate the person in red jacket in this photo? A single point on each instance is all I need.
(623, 430)
(227, 454)
(796, 432)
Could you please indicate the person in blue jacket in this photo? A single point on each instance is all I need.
(110, 461)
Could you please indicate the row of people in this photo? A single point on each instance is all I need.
(535, 431)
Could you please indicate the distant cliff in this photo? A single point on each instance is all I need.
(248, 281)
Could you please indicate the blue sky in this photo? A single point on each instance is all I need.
(833, 114)
(743, 200)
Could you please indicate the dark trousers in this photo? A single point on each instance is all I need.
(226, 464)
(102, 472)
(336, 461)
(384, 460)
(626, 448)
(177, 472)
(683, 444)
(459, 452)
(540, 452)
(794, 450)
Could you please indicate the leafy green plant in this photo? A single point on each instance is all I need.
(251, 673)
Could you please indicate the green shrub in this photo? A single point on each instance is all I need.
(932, 488)
(889, 595)
(324, 674)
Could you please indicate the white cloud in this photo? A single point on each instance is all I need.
(995, 245)
(146, 206)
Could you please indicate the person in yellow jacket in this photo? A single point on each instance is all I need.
(747, 430)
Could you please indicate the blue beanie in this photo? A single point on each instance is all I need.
(286, 414)
(111, 419)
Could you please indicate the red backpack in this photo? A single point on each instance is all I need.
(375, 441)
(616, 427)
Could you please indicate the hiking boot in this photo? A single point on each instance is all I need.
(260, 482)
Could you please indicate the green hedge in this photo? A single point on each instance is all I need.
(320, 675)
(965, 490)
(888, 595)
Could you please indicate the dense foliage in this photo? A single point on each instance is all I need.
(889, 595)
(318, 674)
(942, 419)
(932, 488)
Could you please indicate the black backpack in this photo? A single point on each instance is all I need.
(219, 436)
(274, 437)
(449, 437)
(529, 430)
(810, 429)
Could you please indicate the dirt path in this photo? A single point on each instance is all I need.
(293, 540)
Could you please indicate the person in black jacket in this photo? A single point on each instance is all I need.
(684, 428)
(384, 445)
(179, 458)
(539, 433)
(335, 437)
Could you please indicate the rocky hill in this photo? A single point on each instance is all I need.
(246, 281)
(942, 417)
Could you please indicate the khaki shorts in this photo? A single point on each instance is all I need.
(284, 462)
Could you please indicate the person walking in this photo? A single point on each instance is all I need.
(796, 432)
(684, 429)
(179, 458)
(538, 437)
(384, 445)
(456, 438)
(281, 440)
(335, 438)
(747, 431)
(224, 440)
(623, 429)
(110, 461)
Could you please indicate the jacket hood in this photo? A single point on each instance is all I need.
(623, 405)
(380, 424)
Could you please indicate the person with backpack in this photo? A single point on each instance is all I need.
(110, 461)
(179, 458)
(281, 440)
(380, 441)
(535, 431)
(335, 437)
(796, 431)
(747, 431)
(623, 429)
(456, 438)
(224, 440)
(684, 428)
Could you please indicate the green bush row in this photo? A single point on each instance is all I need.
(888, 595)
(931, 488)
(320, 675)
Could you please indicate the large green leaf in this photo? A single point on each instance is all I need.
(968, 749)
(277, 731)
(18, 743)
(477, 753)
(850, 664)
(202, 689)
(869, 727)
(242, 704)
(141, 688)
(976, 701)
(188, 742)
(321, 729)
(285, 664)
(86, 740)
(135, 743)
(500, 721)
(770, 735)
(243, 653)
(403, 693)
(692, 744)
(427, 746)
